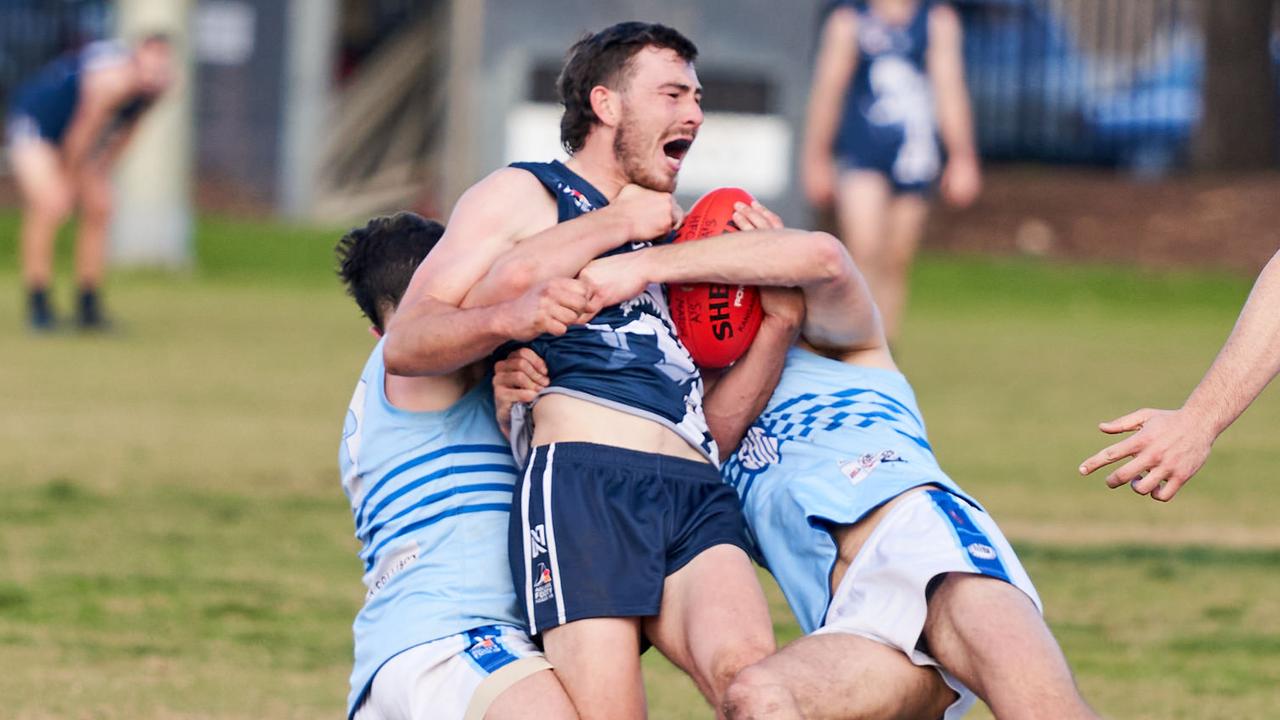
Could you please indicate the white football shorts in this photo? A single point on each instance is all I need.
(882, 595)
(453, 678)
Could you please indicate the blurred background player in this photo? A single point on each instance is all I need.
(429, 478)
(66, 128)
(1170, 446)
(889, 79)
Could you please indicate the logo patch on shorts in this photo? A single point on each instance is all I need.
(982, 551)
(543, 588)
(538, 540)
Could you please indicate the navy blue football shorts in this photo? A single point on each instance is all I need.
(595, 530)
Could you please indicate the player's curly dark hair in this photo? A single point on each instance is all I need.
(377, 261)
(603, 58)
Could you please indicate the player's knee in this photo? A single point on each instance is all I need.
(755, 694)
(732, 662)
(55, 205)
(96, 206)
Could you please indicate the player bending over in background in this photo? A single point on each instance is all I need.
(66, 128)
(886, 562)
(889, 79)
(621, 527)
(430, 478)
(1171, 445)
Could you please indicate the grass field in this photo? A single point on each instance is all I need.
(174, 542)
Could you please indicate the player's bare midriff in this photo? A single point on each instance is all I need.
(850, 538)
(561, 418)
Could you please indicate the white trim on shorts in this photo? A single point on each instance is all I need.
(882, 595)
(440, 680)
(20, 129)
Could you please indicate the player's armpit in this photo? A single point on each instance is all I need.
(740, 393)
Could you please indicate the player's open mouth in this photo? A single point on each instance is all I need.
(675, 151)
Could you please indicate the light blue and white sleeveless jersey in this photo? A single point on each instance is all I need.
(431, 495)
(835, 442)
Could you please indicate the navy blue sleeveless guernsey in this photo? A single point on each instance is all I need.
(888, 120)
(50, 98)
(627, 357)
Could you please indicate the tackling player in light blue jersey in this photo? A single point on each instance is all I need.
(914, 602)
(430, 478)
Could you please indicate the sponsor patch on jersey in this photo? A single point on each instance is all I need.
(391, 566)
(857, 470)
(543, 588)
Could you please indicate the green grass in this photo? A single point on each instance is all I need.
(174, 542)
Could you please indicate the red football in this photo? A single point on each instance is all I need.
(715, 322)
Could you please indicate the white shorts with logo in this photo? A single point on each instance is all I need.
(453, 678)
(882, 596)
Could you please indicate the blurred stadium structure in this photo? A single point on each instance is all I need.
(332, 109)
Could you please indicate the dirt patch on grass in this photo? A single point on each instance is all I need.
(1224, 222)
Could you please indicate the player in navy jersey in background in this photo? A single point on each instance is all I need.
(429, 478)
(889, 79)
(65, 130)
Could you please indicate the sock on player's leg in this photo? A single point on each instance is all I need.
(39, 312)
(90, 310)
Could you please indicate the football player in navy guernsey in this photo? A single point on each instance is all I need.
(913, 601)
(430, 478)
(66, 128)
(621, 530)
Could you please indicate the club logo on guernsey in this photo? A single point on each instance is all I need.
(543, 589)
(758, 449)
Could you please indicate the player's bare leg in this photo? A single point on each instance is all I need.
(47, 202)
(537, 697)
(840, 677)
(95, 217)
(907, 216)
(598, 662)
(990, 636)
(714, 620)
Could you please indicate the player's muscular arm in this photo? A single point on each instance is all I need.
(431, 334)
(962, 179)
(739, 394)
(837, 57)
(101, 92)
(841, 316)
(1171, 446)
(563, 249)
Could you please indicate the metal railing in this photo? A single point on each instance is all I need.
(1088, 81)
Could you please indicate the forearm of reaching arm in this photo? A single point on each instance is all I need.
(560, 251)
(789, 258)
(1248, 361)
(841, 315)
(740, 395)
